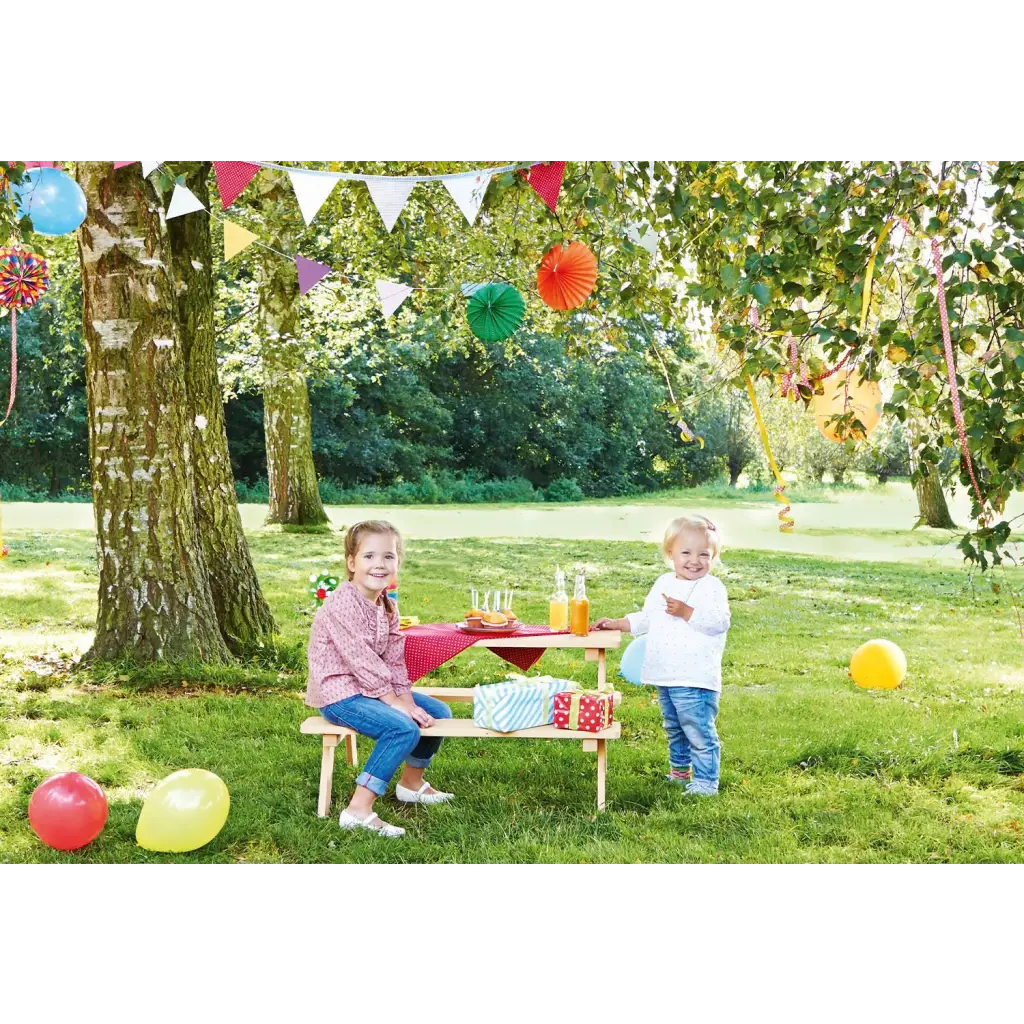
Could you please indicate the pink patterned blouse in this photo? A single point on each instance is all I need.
(354, 647)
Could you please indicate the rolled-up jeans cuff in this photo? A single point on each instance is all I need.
(418, 762)
(372, 783)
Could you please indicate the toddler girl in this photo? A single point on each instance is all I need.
(686, 617)
(357, 678)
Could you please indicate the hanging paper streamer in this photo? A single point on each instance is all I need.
(546, 181)
(392, 294)
(786, 520)
(390, 196)
(4, 551)
(236, 238)
(795, 376)
(567, 276)
(232, 177)
(312, 191)
(495, 312)
(183, 201)
(310, 273)
(954, 391)
(24, 277)
(468, 191)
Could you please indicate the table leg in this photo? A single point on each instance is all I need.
(602, 668)
(326, 775)
(602, 766)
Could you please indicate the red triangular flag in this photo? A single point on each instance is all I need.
(546, 181)
(232, 177)
(310, 272)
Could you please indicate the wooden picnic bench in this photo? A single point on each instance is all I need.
(594, 646)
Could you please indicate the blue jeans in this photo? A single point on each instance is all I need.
(397, 735)
(688, 714)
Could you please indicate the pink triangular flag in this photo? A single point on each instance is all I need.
(310, 272)
(232, 177)
(124, 163)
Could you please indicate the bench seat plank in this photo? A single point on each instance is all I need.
(465, 727)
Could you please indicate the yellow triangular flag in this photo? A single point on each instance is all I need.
(236, 238)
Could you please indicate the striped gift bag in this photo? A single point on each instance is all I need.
(508, 707)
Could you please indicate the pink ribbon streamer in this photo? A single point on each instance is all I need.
(951, 370)
(14, 364)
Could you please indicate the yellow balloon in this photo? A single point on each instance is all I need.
(184, 812)
(878, 665)
(846, 393)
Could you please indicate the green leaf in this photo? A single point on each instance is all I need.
(730, 275)
(762, 293)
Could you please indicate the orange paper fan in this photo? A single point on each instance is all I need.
(567, 276)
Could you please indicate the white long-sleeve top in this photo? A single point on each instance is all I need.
(681, 653)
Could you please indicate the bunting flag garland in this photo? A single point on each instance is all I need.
(118, 164)
(232, 177)
(390, 196)
(392, 294)
(149, 166)
(468, 288)
(183, 201)
(311, 190)
(546, 181)
(310, 273)
(236, 238)
(468, 191)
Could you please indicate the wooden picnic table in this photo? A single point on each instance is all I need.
(595, 647)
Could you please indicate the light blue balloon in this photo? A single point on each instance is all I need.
(52, 199)
(633, 660)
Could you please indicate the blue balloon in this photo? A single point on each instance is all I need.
(52, 199)
(633, 660)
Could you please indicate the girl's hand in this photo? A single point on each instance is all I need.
(678, 608)
(419, 716)
(605, 624)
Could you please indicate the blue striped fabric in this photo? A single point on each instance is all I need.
(507, 707)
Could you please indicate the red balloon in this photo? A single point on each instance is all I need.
(67, 811)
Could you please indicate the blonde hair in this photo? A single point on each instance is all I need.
(701, 523)
(355, 534)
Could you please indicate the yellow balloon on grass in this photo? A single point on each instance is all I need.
(845, 394)
(184, 812)
(878, 665)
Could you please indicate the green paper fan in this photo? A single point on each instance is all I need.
(495, 312)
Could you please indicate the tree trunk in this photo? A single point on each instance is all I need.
(54, 480)
(931, 502)
(287, 421)
(734, 473)
(154, 594)
(243, 614)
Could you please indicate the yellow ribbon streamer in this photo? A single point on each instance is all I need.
(786, 520)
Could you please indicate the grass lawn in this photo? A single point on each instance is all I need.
(813, 769)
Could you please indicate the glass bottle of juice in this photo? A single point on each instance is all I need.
(579, 608)
(558, 605)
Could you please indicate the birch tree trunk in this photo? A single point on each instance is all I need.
(287, 420)
(931, 502)
(242, 612)
(154, 595)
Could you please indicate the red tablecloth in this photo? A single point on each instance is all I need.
(428, 646)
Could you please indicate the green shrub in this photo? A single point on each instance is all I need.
(563, 489)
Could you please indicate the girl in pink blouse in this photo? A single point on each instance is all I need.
(357, 678)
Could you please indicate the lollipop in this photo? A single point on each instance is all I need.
(24, 277)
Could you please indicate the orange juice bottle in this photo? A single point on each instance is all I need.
(558, 605)
(579, 608)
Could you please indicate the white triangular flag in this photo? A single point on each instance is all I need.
(182, 202)
(392, 295)
(149, 166)
(468, 288)
(389, 196)
(468, 191)
(312, 191)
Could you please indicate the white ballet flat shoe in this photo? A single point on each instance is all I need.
(420, 796)
(382, 828)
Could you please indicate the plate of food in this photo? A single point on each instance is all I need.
(489, 622)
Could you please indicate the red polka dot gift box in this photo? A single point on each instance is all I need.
(584, 710)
